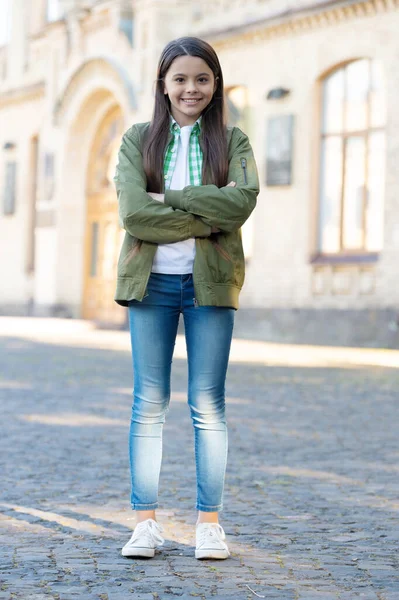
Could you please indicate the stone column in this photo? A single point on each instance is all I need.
(17, 45)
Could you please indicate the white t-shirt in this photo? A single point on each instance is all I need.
(178, 258)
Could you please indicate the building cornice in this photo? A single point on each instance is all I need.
(288, 23)
(22, 94)
(48, 27)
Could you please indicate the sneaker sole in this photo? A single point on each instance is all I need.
(138, 553)
(217, 554)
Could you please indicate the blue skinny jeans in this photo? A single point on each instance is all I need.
(208, 331)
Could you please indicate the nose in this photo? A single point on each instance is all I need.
(191, 86)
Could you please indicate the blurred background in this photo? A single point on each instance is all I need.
(314, 83)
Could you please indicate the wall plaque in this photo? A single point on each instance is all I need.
(279, 150)
(9, 190)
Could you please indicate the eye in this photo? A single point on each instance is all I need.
(203, 80)
(179, 79)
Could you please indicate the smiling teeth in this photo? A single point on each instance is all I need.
(190, 101)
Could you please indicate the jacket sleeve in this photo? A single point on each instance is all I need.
(142, 216)
(226, 208)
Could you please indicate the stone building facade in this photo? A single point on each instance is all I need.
(313, 82)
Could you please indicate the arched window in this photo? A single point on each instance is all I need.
(55, 10)
(352, 162)
(5, 22)
(237, 105)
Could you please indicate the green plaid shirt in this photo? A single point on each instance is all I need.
(194, 154)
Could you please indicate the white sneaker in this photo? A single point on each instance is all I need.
(210, 541)
(146, 537)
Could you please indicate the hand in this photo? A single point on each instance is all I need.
(159, 197)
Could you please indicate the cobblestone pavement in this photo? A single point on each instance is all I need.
(311, 501)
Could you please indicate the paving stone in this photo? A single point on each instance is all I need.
(369, 595)
(311, 485)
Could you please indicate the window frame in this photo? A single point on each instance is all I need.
(6, 16)
(343, 255)
(54, 11)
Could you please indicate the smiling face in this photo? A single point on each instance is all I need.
(190, 85)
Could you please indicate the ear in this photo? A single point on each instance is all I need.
(216, 84)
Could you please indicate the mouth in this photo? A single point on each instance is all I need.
(190, 101)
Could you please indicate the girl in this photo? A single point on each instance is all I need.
(185, 183)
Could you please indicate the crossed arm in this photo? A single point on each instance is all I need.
(161, 198)
(178, 215)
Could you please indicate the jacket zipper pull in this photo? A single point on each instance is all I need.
(244, 168)
(195, 302)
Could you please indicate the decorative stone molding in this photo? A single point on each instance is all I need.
(97, 66)
(297, 22)
(22, 94)
(367, 281)
(343, 280)
(95, 21)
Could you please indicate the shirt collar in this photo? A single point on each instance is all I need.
(175, 127)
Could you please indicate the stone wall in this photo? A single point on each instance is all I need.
(87, 61)
(296, 56)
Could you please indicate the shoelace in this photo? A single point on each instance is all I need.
(211, 533)
(150, 530)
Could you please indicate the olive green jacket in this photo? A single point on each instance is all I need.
(219, 264)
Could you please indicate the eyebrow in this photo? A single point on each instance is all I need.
(184, 75)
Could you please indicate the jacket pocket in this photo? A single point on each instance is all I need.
(131, 247)
(220, 250)
(229, 247)
(133, 251)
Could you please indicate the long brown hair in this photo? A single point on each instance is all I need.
(213, 125)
